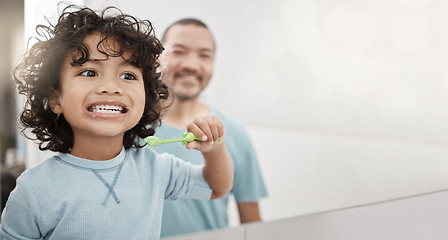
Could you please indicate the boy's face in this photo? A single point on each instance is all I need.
(101, 99)
(188, 60)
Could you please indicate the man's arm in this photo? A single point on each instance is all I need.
(249, 212)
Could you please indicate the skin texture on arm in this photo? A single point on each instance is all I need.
(218, 171)
(249, 212)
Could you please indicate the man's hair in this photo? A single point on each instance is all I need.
(40, 67)
(187, 21)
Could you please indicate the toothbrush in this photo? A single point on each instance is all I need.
(187, 137)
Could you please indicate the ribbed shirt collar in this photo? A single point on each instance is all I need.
(92, 164)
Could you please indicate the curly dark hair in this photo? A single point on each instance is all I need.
(39, 70)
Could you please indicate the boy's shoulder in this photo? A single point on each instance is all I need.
(43, 170)
(41, 167)
(147, 155)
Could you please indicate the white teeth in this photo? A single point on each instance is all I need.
(190, 78)
(107, 109)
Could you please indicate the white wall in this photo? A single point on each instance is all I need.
(315, 171)
(346, 100)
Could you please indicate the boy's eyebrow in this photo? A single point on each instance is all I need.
(93, 61)
(96, 59)
(99, 60)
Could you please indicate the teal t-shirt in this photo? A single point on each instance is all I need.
(188, 215)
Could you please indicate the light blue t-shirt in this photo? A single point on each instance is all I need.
(189, 215)
(66, 197)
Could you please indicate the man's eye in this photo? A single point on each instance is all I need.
(128, 76)
(205, 56)
(178, 52)
(88, 73)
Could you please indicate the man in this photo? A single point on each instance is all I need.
(187, 65)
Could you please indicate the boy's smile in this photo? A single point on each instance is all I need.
(102, 98)
(107, 109)
(111, 109)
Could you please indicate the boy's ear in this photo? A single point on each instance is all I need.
(54, 100)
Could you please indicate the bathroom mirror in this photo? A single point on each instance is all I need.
(346, 101)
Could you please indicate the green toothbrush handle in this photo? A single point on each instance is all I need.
(172, 140)
(186, 138)
(190, 137)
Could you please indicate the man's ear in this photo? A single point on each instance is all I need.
(54, 100)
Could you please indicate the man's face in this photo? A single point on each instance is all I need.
(188, 59)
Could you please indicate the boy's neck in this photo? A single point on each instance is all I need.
(180, 113)
(98, 149)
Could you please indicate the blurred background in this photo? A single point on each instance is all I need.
(346, 101)
(11, 47)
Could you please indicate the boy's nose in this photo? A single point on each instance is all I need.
(109, 86)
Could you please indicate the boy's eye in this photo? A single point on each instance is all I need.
(128, 76)
(88, 73)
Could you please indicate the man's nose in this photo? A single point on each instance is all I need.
(191, 63)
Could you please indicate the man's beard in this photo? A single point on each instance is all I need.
(185, 97)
